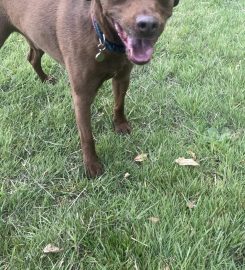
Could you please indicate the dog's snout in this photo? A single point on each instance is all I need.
(146, 24)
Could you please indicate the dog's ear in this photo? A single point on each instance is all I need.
(176, 2)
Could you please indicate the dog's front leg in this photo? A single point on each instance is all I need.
(120, 84)
(84, 89)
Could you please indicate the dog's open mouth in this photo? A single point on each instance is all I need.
(139, 50)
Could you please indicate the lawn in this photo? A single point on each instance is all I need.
(189, 102)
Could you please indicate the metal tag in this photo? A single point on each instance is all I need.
(100, 57)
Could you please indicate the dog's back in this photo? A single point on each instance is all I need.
(41, 22)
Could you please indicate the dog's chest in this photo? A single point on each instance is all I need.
(113, 65)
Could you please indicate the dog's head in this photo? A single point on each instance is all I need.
(138, 23)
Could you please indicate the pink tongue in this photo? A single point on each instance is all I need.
(139, 50)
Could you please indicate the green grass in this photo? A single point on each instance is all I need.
(191, 97)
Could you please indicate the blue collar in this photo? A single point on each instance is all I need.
(110, 46)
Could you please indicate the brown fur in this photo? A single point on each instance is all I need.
(63, 29)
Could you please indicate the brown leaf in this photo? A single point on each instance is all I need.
(52, 249)
(191, 204)
(126, 175)
(154, 219)
(192, 154)
(186, 162)
(141, 157)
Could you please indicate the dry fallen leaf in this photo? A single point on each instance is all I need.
(141, 158)
(191, 204)
(166, 267)
(186, 162)
(192, 154)
(52, 249)
(126, 175)
(154, 219)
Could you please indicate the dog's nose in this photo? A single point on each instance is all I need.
(146, 24)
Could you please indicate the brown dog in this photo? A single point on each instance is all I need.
(95, 40)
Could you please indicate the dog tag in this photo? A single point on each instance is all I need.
(100, 57)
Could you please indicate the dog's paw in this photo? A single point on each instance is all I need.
(122, 128)
(93, 169)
